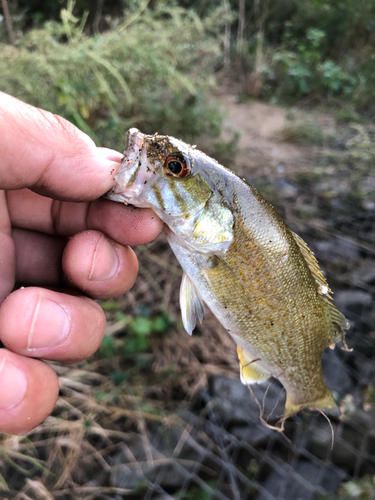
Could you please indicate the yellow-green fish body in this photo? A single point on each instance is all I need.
(240, 258)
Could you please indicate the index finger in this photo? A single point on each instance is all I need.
(45, 152)
(126, 224)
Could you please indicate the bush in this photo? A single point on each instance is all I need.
(150, 71)
(298, 69)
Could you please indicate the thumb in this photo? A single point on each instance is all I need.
(46, 153)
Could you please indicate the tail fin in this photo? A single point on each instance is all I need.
(325, 404)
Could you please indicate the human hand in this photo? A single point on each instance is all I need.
(50, 240)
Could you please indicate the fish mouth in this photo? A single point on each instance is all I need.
(131, 177)
(134, 141)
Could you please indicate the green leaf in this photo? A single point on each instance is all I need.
(107, 348)
(110, 305)
(161, 323)
(141, 326)
(118, 377)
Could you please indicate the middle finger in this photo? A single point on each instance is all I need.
(125, 224)
(90, 260)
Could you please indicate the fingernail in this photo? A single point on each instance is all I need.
(105, 262)
(50, 325)
(110, 154)
(13, 383)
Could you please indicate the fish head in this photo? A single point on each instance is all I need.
(178, 183)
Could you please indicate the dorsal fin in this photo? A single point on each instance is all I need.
(313, 266)
(338, 322)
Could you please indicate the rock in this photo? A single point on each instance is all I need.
(330, 189)
(354, 301)
(234, 407)
(347, 249)
(235, 403)
(230, 401)
(133, 448)
(364, 274)
(365, 370)
(285, 188)
(256, 435)
(162, 497)
(362, 345)
(168, 475)
(336, 249)
(201, 399)
(351, 441)
(134, 469)
(125, 477)
(304, 481)
(336, 374)
(370, 319)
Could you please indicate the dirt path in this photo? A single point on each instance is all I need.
(259, 149)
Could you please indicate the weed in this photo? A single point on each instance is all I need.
(149, 71)
(139, 330)
(112, 305)
(299, 69)
(302, 133)
(361, 489)
(118, 377)
(108, 347)
(200, 493)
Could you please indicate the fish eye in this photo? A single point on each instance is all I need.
(177, 166)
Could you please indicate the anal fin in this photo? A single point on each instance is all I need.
(251, 371)
(192, 307)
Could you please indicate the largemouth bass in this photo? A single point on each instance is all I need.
(240, 258)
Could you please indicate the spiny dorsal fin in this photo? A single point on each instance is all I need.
(313, 266)
(251, 371)
(192, 307)
(338, 322)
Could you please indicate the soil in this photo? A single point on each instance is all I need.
(259, 148)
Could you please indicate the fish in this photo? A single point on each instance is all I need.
(239, 257)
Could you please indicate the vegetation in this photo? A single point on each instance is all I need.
(361, 489)
(107, 65)
(306, 48)
(151, 69)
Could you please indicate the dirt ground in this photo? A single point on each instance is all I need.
(259, 126)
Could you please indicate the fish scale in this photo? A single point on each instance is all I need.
(239, 258)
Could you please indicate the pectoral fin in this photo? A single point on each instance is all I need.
(213, 231)
(192, 307)
(251, 371)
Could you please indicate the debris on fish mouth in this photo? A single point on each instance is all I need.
(239, 257)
